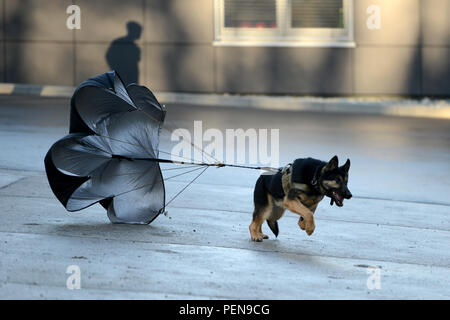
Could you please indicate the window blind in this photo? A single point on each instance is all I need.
(250, 13)
(317, 14)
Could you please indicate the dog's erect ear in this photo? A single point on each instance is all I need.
(346, 166)
(332, 164)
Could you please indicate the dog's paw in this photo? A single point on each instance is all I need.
(310, 227)
(257, 238)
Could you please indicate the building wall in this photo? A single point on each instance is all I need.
(408, 56)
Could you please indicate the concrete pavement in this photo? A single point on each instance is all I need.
(398, 220)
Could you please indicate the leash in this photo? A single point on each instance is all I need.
(204, 164)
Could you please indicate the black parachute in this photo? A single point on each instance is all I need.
(107, 156)
(111, 155)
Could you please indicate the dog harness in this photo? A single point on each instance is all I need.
(288, 184)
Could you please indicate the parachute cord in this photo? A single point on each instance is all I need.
(207, 165)
(182, 190)
(183, 173)
(218, 165)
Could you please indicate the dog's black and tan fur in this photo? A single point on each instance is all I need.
(309, 181)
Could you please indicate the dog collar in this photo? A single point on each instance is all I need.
(316, 177)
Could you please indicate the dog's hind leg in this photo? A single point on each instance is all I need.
(259, 215)
(264, 236)
(261, 212)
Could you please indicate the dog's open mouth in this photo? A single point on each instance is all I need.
(338, 199)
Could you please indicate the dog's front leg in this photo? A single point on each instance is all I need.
(301, 220)
(297, 207)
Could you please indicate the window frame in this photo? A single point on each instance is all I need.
(284, 34)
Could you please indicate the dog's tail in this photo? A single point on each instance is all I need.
(273, 225)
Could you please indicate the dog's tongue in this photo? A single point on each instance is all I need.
(338, 199)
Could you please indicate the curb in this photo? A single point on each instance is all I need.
(425, 108)
(37, 90)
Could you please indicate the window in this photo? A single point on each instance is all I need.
(284, 22)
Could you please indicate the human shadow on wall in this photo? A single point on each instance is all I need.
(124, 54)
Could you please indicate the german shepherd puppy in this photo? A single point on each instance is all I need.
(298, 187)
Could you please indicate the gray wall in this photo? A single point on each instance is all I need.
(408, 56)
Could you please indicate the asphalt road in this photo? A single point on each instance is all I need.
(396, 229)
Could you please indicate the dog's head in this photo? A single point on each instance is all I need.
(333, 181)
